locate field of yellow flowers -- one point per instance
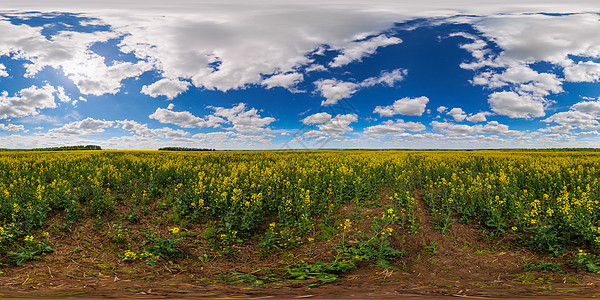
(548, 199)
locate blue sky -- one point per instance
(275, 75)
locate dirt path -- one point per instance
(461, 262)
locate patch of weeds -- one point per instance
(442, 223)
(133, 216)
(530, 278)
(204, 258)
(276, 239)
(547, 239)
(157, 248)
(324, 272)
(431, 248)
(571, 279)
(589, 261)
(544, 267)
(32, 250)
(235, 277)
(119, 235)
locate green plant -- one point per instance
(589, 261)
(32, 250)
(431, 248)
(164, 248)
(119, 234)
(544, 267)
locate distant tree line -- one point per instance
(63, 148)
(183, 149)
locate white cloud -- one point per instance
(355, 51)
(318, 118)
(27, 101)
(3, 72)
(524, 78)
(143, 130)
(224, 47)
(170, 88)
(86, 126)
(387, 78)
(315, 67)
(478, 117)
(68, 51)
(245, 121)
(536, 37)
(405, 106)
(333, 90)
(458, 114)
(451, 128)
(590, 107)
(184, 119)
(493, 127)
(557, 129)
(288, 80)
(170, 106)
(12, 127)
(572, 117)
(61, 95)
(333, 128)
(513, 105)
(390, 127)
(441, 109)
(588, 71)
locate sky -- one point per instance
(272, 74)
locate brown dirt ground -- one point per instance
(466, 264)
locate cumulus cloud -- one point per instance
(143, 130)
(333, 128)
(170, 88)
(287, 81)
(588, 71)
(68, 51)
(355, 51)
(513, 105)
(458, 114)
(405, 106)
(451, 128)
(590, 107)
(12, 127)
(3, 72)
(184, 118)
(572, 117)
(540, 37)
(318, 118)
(243, 120)
(333, 90)
(493, 127)
(86, 126)
(28, 101)
(441, 109)
(478, 117)
(394, 127)
(61, 95)
(524, 79)
(385, 78)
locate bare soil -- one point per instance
(465, 263)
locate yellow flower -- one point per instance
(514, 228)
(174, 230)
(29, 238)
